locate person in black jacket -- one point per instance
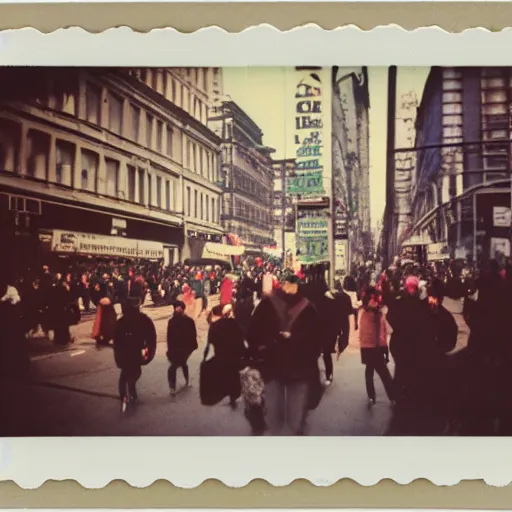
(283, 335)
(227, 339)
(134, 346)
(181, 342)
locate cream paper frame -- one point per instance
(187, 462)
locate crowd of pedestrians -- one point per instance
(273, 325)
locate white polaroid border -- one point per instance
(187, 462)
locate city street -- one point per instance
(75, 393)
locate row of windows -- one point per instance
(154, 134)
(249, 212)
(202, 162)
(163, 82)
(201, 206)
(141, 127)
(495, 95)
(245, 183)
(137, 186)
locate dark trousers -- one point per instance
(327, 357)
(171, 373)
(86, 299)
(383, 372)
(356, 318)
(62, 335)
(127, 382)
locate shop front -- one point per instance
(38, 231)
(438, 252)
(493, 226)
(415, 249)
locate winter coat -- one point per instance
(343, 311)
(445, 330)
(333, 319)
(226, 291)
(373, 337)
(134, 332)
(105, 321)
(372, 329)
(181, 339)
(413, 337)
(61, 309)
(286, 359)
(243, 311)
(227, 338)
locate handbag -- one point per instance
(212, 384)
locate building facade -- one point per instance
(351, 161)
(94, 156)
(461, 193)
(404, 171)
(247, 176)
(284, 209)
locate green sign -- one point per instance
(312, 240)
(307, 183)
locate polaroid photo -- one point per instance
(241, 261)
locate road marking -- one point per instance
(77, 353)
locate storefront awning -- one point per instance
(417, 240)
(215, 250)
(438, 252)
(88, 244)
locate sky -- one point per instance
(266, 95)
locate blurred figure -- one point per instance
(104, 323)
(283, 335)
(227, 339)
(374, 344)
(134, 347)
(181, 342)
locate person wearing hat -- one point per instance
(283, 338)
(412, 346)
(134, 347)
(181, 342)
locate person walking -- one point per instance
(374, 345)
(62, 313)
(181, 342)
(104, 323)
(134, 347)
(227, 339)
(350, 288)
(283, 335)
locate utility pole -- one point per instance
(283, 210)
(389, 212)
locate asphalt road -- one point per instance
(76, 395)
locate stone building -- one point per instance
(404, 170)
(351, 162)
(247, 174)
(116, 162)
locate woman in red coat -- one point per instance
(226, 291)
(104, 323)
(374, 345)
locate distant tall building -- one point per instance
(247, 175)
(461, 197)
(405, 163)
(351, 161)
